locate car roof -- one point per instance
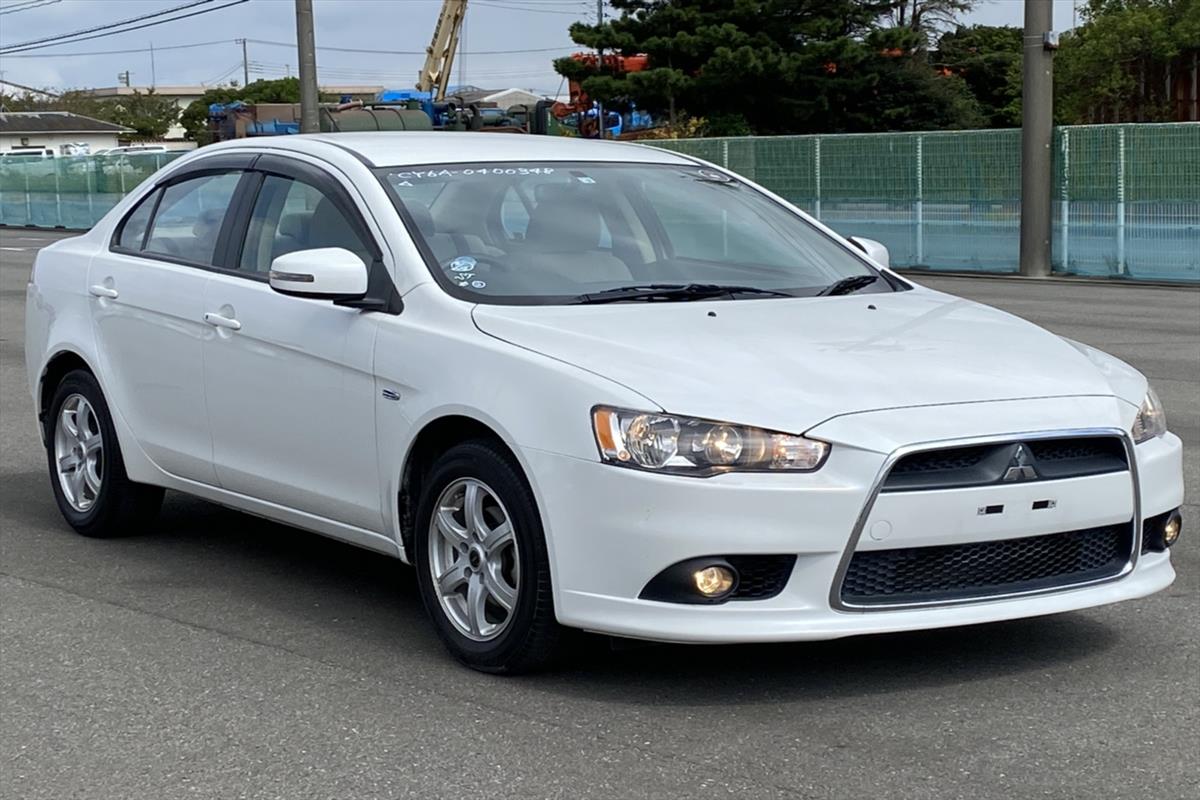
(412, 148)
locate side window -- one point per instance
(189, 217)
(291, 215)
(133, 229)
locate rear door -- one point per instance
(291, 390)
(147, 306)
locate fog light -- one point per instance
(1172, 528)
(713, 581)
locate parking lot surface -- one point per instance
(223, 656)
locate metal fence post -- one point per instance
(1065, 205)
(58, 220)
(817, 175)
(725, 153)
(920, 200)
(91, 163)
(28, 199)
(1121, 201)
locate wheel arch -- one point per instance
(434, 437)
(56, 368)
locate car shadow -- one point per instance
(859, 666)
(369, 602)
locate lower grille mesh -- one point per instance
(760, 577)
(980, 569)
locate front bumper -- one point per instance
(611, 530)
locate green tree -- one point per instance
(984, 56)
(77, 102)
(149, 114)
(772, 66)
(928, 17)
(1116, 66)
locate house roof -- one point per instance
(473, 94)
(14, 122)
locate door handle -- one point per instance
(97, 290)
(218, 321)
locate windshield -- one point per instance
(567, 232)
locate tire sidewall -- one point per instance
(480, 461)
(84, 384)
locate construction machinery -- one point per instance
(430, 107)
(439, 57)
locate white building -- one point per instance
(30, 130)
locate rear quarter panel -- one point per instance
(57, 314)
(58, 319)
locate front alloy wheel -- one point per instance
(482, 565)
(473, 559)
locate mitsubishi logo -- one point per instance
(1019, 468)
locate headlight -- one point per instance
(700, 447)
(1150, 420)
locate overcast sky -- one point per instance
(396, 25)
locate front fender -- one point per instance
(439, 364)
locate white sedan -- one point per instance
(587, 385)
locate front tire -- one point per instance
(481, 560)
(87, 472)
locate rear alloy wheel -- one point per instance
(87, 472)
(481, 560)
(79, 453)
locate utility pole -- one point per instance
(153, 75)
(307, 51)
(1037, 134)
(245, 65)
(600, 68)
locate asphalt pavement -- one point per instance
(223, 656)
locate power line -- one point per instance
(223, 75)
(27, 6)
(6, 52)
(119, 52)
(495, 4)
(4, 82)
(289, 46)
(95, 28)
(416, 52)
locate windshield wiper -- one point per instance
(848, 285)
(673, 291)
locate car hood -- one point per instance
(789, 364)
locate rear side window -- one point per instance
(133, 230)
(189, 217)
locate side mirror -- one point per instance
(326, 273)
(874, 250)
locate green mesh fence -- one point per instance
(70, 191)
(1127, 196)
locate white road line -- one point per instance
(17, 249)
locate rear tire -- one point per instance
(479, 530)
(87, 473)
